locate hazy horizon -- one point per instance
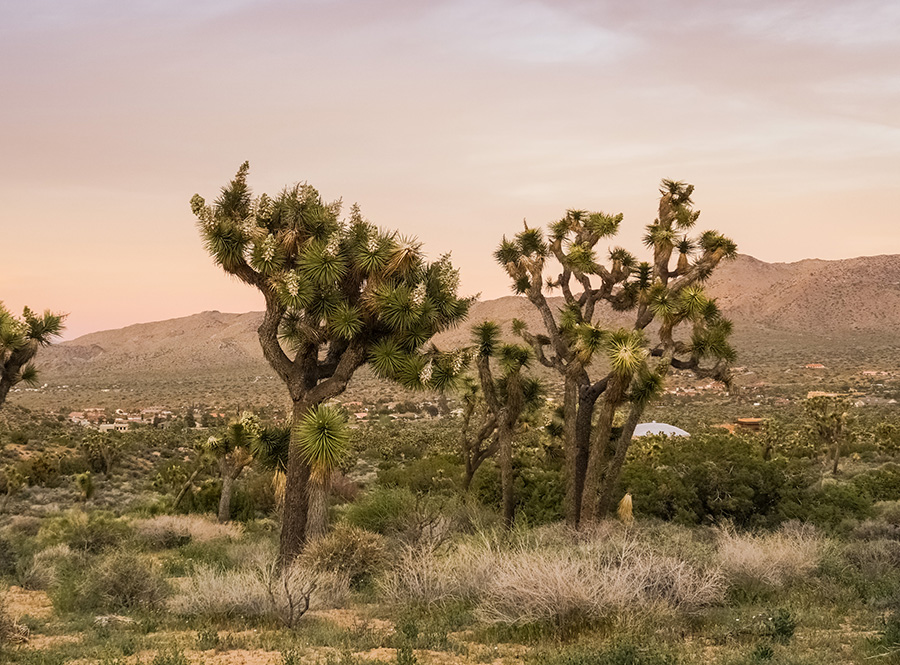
(451, 121)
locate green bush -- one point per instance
(710, 478)
(882, 484)
(830, 504)
(117, 580)
(617, 654)
(440, 472)
(382, 509)
(539, 491)
(88, 532)
(354, 552)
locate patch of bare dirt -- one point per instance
(20, 602)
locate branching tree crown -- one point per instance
(339, 293)
(20, 341)
(574, 334)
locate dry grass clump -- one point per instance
(562, 586)
(544, 577)
(423, 575)
(770, 559)
(259, 591)
(11, 631)
(164, 531)
(42, 571)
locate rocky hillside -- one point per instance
(844, 313)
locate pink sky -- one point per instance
(451, 121)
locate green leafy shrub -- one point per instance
(427, 474)
(881, 484)
(117, 580)
(539, 491)
(381, 510)
(351, 551)
(710, 478)
(88, 532)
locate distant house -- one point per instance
(751, 424)
(815, 366)
(645, 429)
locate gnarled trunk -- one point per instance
(296, 496)
(614, 469)
(225, 498)
(317, 518)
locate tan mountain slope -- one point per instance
(777, 309)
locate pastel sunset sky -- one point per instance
(449, 120)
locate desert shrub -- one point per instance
(41, 571)
(117, 580)
(709, 479)
(426, 474)
(356, 553)
(86, 531)
(881, 484)
(547, 580)
(9, 559)
(872, 568)
(41, 470)
(381, 510)
(757, 562)
(11, 631)
(166, 531)
(421, 576)
(254, 592)
(539, 491)
(562, 587)
(829, 505)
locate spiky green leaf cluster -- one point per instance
(336, 280)
(323, 436)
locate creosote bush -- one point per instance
(117, 580)
(350, 551)
(84, 531)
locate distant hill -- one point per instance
(843, 313)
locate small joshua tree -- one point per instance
(829, 421)
(581, 331)
(20, 340)
(505, 400)
(233, 453)
(339, 293)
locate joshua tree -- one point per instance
(20, 340)
(233, 453)
(829, 420)
(505, 399)
(338, 293)
(582, 329)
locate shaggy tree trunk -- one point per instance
(614, 469)
(505, 436)
(225, 498)
(317, 520)
(296, 496)
(836, 457)
(599, 458)
(184, 490)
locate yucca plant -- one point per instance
(578, 333)
(20, 341)
(339, 293)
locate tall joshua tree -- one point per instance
(20, 340)
(579, 332)
(338, 293)
(505, 399)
